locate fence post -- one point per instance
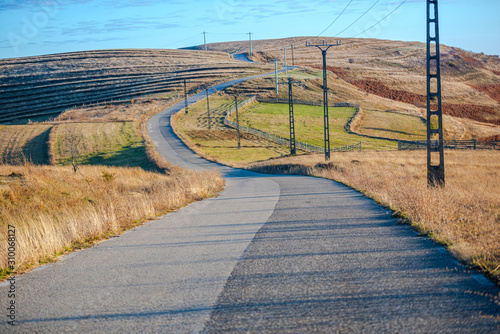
(474, 143)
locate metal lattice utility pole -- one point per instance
(208, 109)
(324, 48)
(205, 39)
(185, 97)
(237, 121)
(293, 149)
(250, 38)
(435, 153)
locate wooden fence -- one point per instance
(472, 144)
(280, 140)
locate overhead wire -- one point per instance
(321, 33)
(359, 18)
(395, 9)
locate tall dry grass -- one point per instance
(55, 210)
(464, 215)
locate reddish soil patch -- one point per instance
(496, 72)
(469, 60)
(474, 112)
(470, 111)
(474, 62)
(378, 88)
(492, 91)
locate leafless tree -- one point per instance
(73, 145)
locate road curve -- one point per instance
(330, 260)
(270, 254)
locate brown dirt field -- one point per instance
(470, 111)
(474, 112)
(496, 72)
(469, 60)
(47, 85)
(492, 90)
(376, 87)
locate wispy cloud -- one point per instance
(23, 4)
(119, 25)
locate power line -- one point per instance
(321, 33)
(380, 20)
(359, 18)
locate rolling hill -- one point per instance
(46, 85)
(391, 75)
(376, 74)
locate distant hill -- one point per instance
(46, 85)
(382, 73)
(395, 70)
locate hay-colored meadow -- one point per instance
(55, 209)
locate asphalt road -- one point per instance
(270, 254)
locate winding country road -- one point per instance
(283, 254)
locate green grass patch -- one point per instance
(309, 124)
(109, 144)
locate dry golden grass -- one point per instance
(120, 111)
(24, 142)
(464, 215)
(55, 210)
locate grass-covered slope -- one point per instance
(34, 86)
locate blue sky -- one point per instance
(35, 27)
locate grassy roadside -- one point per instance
(56, 210)
(464, 216)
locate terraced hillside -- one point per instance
(46, 85)
(392, 73)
